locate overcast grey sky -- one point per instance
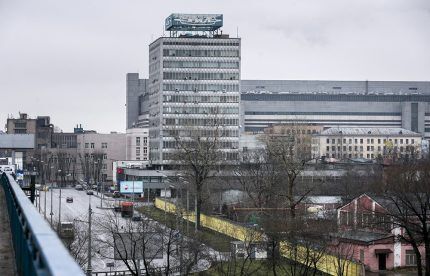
(68, 59)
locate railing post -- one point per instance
(32, 188)
(38, 250)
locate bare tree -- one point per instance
(146, 241)
(407, 198)
(243, 261)
(91, 165)
(131, 242)
(258, 177)
(342, 253)
(78, 245)
(290, 151)
(198, 157)
(270, 179)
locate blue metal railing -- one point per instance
(38, 250)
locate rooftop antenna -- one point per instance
(237, 31)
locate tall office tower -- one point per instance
(194, 79)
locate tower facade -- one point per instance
(194, 84)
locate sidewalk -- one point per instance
(392, 273)
(7, 258)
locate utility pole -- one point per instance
(51, 214)
(89, 268)
(59, 205)
(44, 188)
(44, 199)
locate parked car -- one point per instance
(90, 192)
(116, 194)
(69, 199)
(136, 218)
(79, 187)
(94, 187)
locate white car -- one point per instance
(79, 187)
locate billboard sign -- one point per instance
(194, 22)
(130, 187)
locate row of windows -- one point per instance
(201, 133)
(369, 141)
(20, 131)
(323, 113)
(92, 155)
(294, 131)
(200, 99)
(230, 156)
(200, 76)
(337, 97)
(87, 145)
(201, 110)
(145, 141)
(201, 87)
(200, 53)
(201, 122)
(145, 150)
(370, 148)
(200, 64)
(208, 42)
(365, 220)
(20, 125)
(220, 144)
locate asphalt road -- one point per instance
(78, 211)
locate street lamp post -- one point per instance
(51, 214)
(59, 205)
(44, 188)
(89, 268)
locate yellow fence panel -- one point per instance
(326, 263)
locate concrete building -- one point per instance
(194, 79)
(369, 143)
(15, 148)
(111, 146)
(40, 126)
(136, 101)
(137, 147)
(387, 104)
(398, 104)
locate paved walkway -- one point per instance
(7, 260)
(393, 273)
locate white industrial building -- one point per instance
(368, 143)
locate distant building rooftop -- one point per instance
(357, 131)
(362, 236)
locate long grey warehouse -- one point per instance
(336, 103)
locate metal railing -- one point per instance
(152, 271)
(38, 250)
